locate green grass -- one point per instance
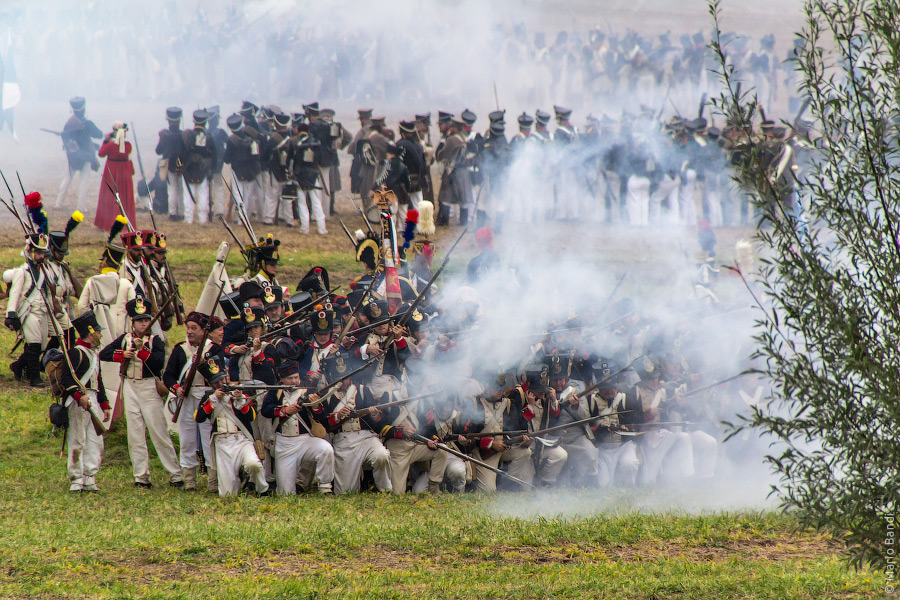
(163, 543)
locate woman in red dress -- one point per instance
(118, 174)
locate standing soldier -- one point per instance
(26, 312)
(220, 138)
(144, 354)
(199, 165)
(171, 151)
(413, 155)
(106, 295)
(82, 393)
(339, 138)
(242, 152)
(423, 131)
(355, 150)
(305, 150)
(279, 169)
(81, 152)
(66, 285)
(456, 188)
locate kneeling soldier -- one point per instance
(232, 443)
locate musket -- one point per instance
(77, 286)
(714, 384)
(361, 213)
(99, 429)
(238, 242)
(702, 105)
(59, 133)
(422, 439)
(364, 411)
(484, 434)
(555, 428)
(261, 386)
(289, 321)
(123, 369)
(9, 207)
(349, 235)
(324, 393)
(15, 210)
(239, 202)
(19, 341)
(243, 207)
(591, 388)
(198, 356)
(612, 294)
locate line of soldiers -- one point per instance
(338, 393)
(284, 165)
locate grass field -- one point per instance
(163, 543)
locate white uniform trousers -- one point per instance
(85, 450)
(315, 202)
(637, 201)
(143, 413)
(277, 206)
(667, 191)
(668, 456)
(292, 451)
(618, 462)
(191, 433)
(233, 452)
(520, 466)
(253, 196)
(84, 182)
(404, 453)
(414, 199)
(200, 201)
(175, 186)
(454, 474)
(355, 451)
(35, 325)
(217, 195)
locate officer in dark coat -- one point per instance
(199, 165)
(171, 153)
(81, 151)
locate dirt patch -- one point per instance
(142, 570)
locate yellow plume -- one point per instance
(77, 216)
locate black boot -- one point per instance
(463, 217)
(443, 215)
(32, 360)
(17, 367)
(480, 219)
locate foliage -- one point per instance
(829, 332)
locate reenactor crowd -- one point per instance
(284, 167)
(386, 387)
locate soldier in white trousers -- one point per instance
(143, 356)
(231, 416)
(299, 433)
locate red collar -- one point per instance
(83, 343)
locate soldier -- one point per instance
(617, 455)
(171, 162)
(267, 256)
(83, 394)
(536, 407)
(106, 295)
(355, 149)
(413, 156)
(423, 131)
(387, 342)
(144, 354)
(494, 163)
(305, 151)
(299, 433)
(395, 177)
(541, 120)
(229, 417)
(332, 137)
(66, 285)
(356, 421)
(199, 165)
(26, 311)
(493, 412)
(279, 170)
(321, 346)
(525, 122)
(248, 356)
(456, 187)
(81, 152)
(372, 149)
(180, 361)
(220, 139)
(243, 153)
